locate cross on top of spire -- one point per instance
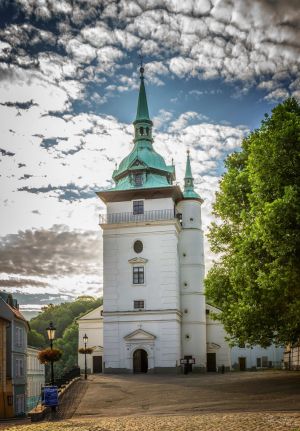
(142, 70)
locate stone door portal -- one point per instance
(140, 361)
(97, 364)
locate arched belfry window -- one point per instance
(147, 131)
(141, 131)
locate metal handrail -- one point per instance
(130, 217)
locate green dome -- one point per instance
(145, 159)
(144, 152)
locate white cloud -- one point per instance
(82, 52)
(181, 66)
(277, 95)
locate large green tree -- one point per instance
(256, 281)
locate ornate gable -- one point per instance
(138, 260)
(140, 335)
(137, 164)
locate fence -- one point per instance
(130, 217)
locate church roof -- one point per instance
(143, 168)
(143, 159)
(92, 314)
(142, 112)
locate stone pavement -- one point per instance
(251, 401)
(204, 422)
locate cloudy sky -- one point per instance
(68, 95)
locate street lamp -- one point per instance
(85, 340)
(51, 335)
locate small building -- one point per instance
(256, 357)
(6, 390)
(292, 357)
(239, 358)
(15, 329)
(91, 324)
(35, 377)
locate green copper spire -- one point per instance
(189, 192)
(188, 170)
(143, 168)
(142, 112)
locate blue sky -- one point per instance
(68, 92)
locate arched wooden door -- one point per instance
(140, 361)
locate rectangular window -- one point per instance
(138, 207)
(138, 304)
(138, 179)
(19, 337)
(138, 275)
(19, 367)
(258, 362)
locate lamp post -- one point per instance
(51, 335)
(85, 340)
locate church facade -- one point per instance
(154, 312)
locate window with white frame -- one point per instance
(19, 333)
(138, 275)
(138, 304)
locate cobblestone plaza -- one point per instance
(254, 401)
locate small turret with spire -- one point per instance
(189, 191)
(142, 123)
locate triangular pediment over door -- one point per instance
(138, 260)
(140, 335)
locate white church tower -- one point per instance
(191, 258)
(153, 270)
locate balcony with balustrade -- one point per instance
(146, 216)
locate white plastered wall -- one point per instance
(91, 324)
(160, 290)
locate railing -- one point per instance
(66, 377)
(129, 217)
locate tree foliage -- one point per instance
(256, 282)
(64, 318)
(35, 339)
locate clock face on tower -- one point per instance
(138, 246)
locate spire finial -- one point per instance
(142, 113)
(188, 170)
(142, 70)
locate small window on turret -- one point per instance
(138, 179)
(141, 131)
(147, 131)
